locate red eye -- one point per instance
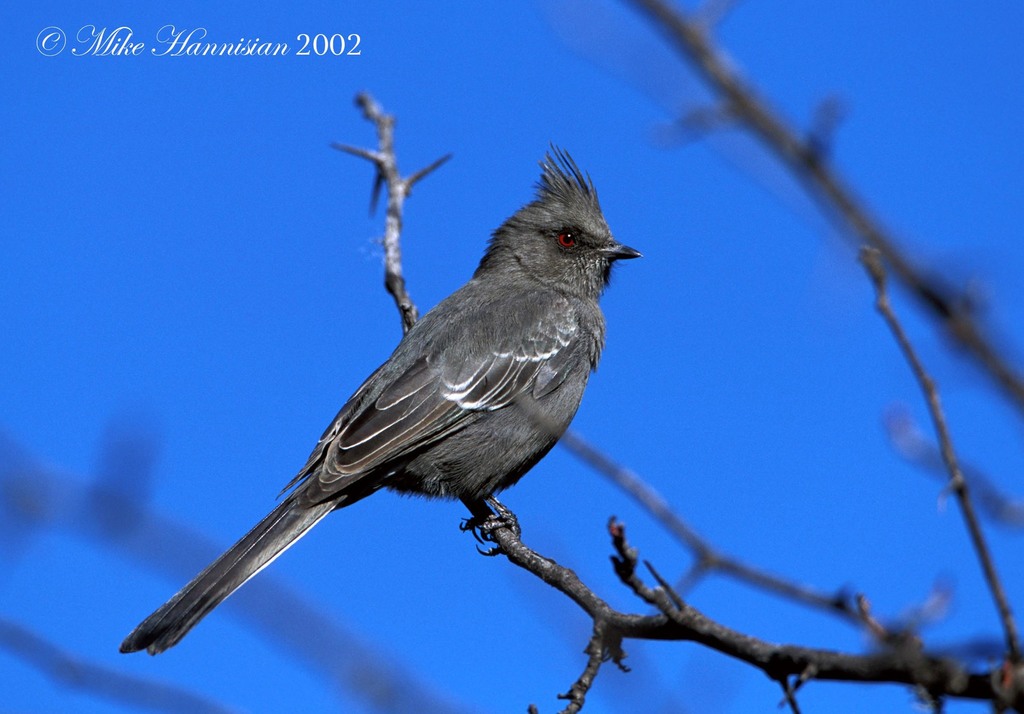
(566, 240)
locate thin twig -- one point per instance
(398, 189)
(872, 261)
(806, 161)
(596, 651)
(789, 695)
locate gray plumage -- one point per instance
(475, 394)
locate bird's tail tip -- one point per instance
(257, 549)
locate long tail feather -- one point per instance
(255, 551)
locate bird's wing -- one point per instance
(435, 396)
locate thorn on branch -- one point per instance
(422, 173)
(370, 156)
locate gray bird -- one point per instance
(475, 394)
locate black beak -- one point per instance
(617, 251)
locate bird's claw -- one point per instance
(484, 528)
(504, 517)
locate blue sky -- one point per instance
(192, 271)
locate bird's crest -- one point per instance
(562, 180)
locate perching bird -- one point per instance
(475, 394)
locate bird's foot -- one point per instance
(484, 526)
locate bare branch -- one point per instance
(805, 160)
(398, 189)
(678, 621)
(872, 260)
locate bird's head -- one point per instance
(560, 238)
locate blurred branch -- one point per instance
(805, 158)
(35, 499)
(75, 673)
(398, 189)
(790, 665)
(872, 260)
